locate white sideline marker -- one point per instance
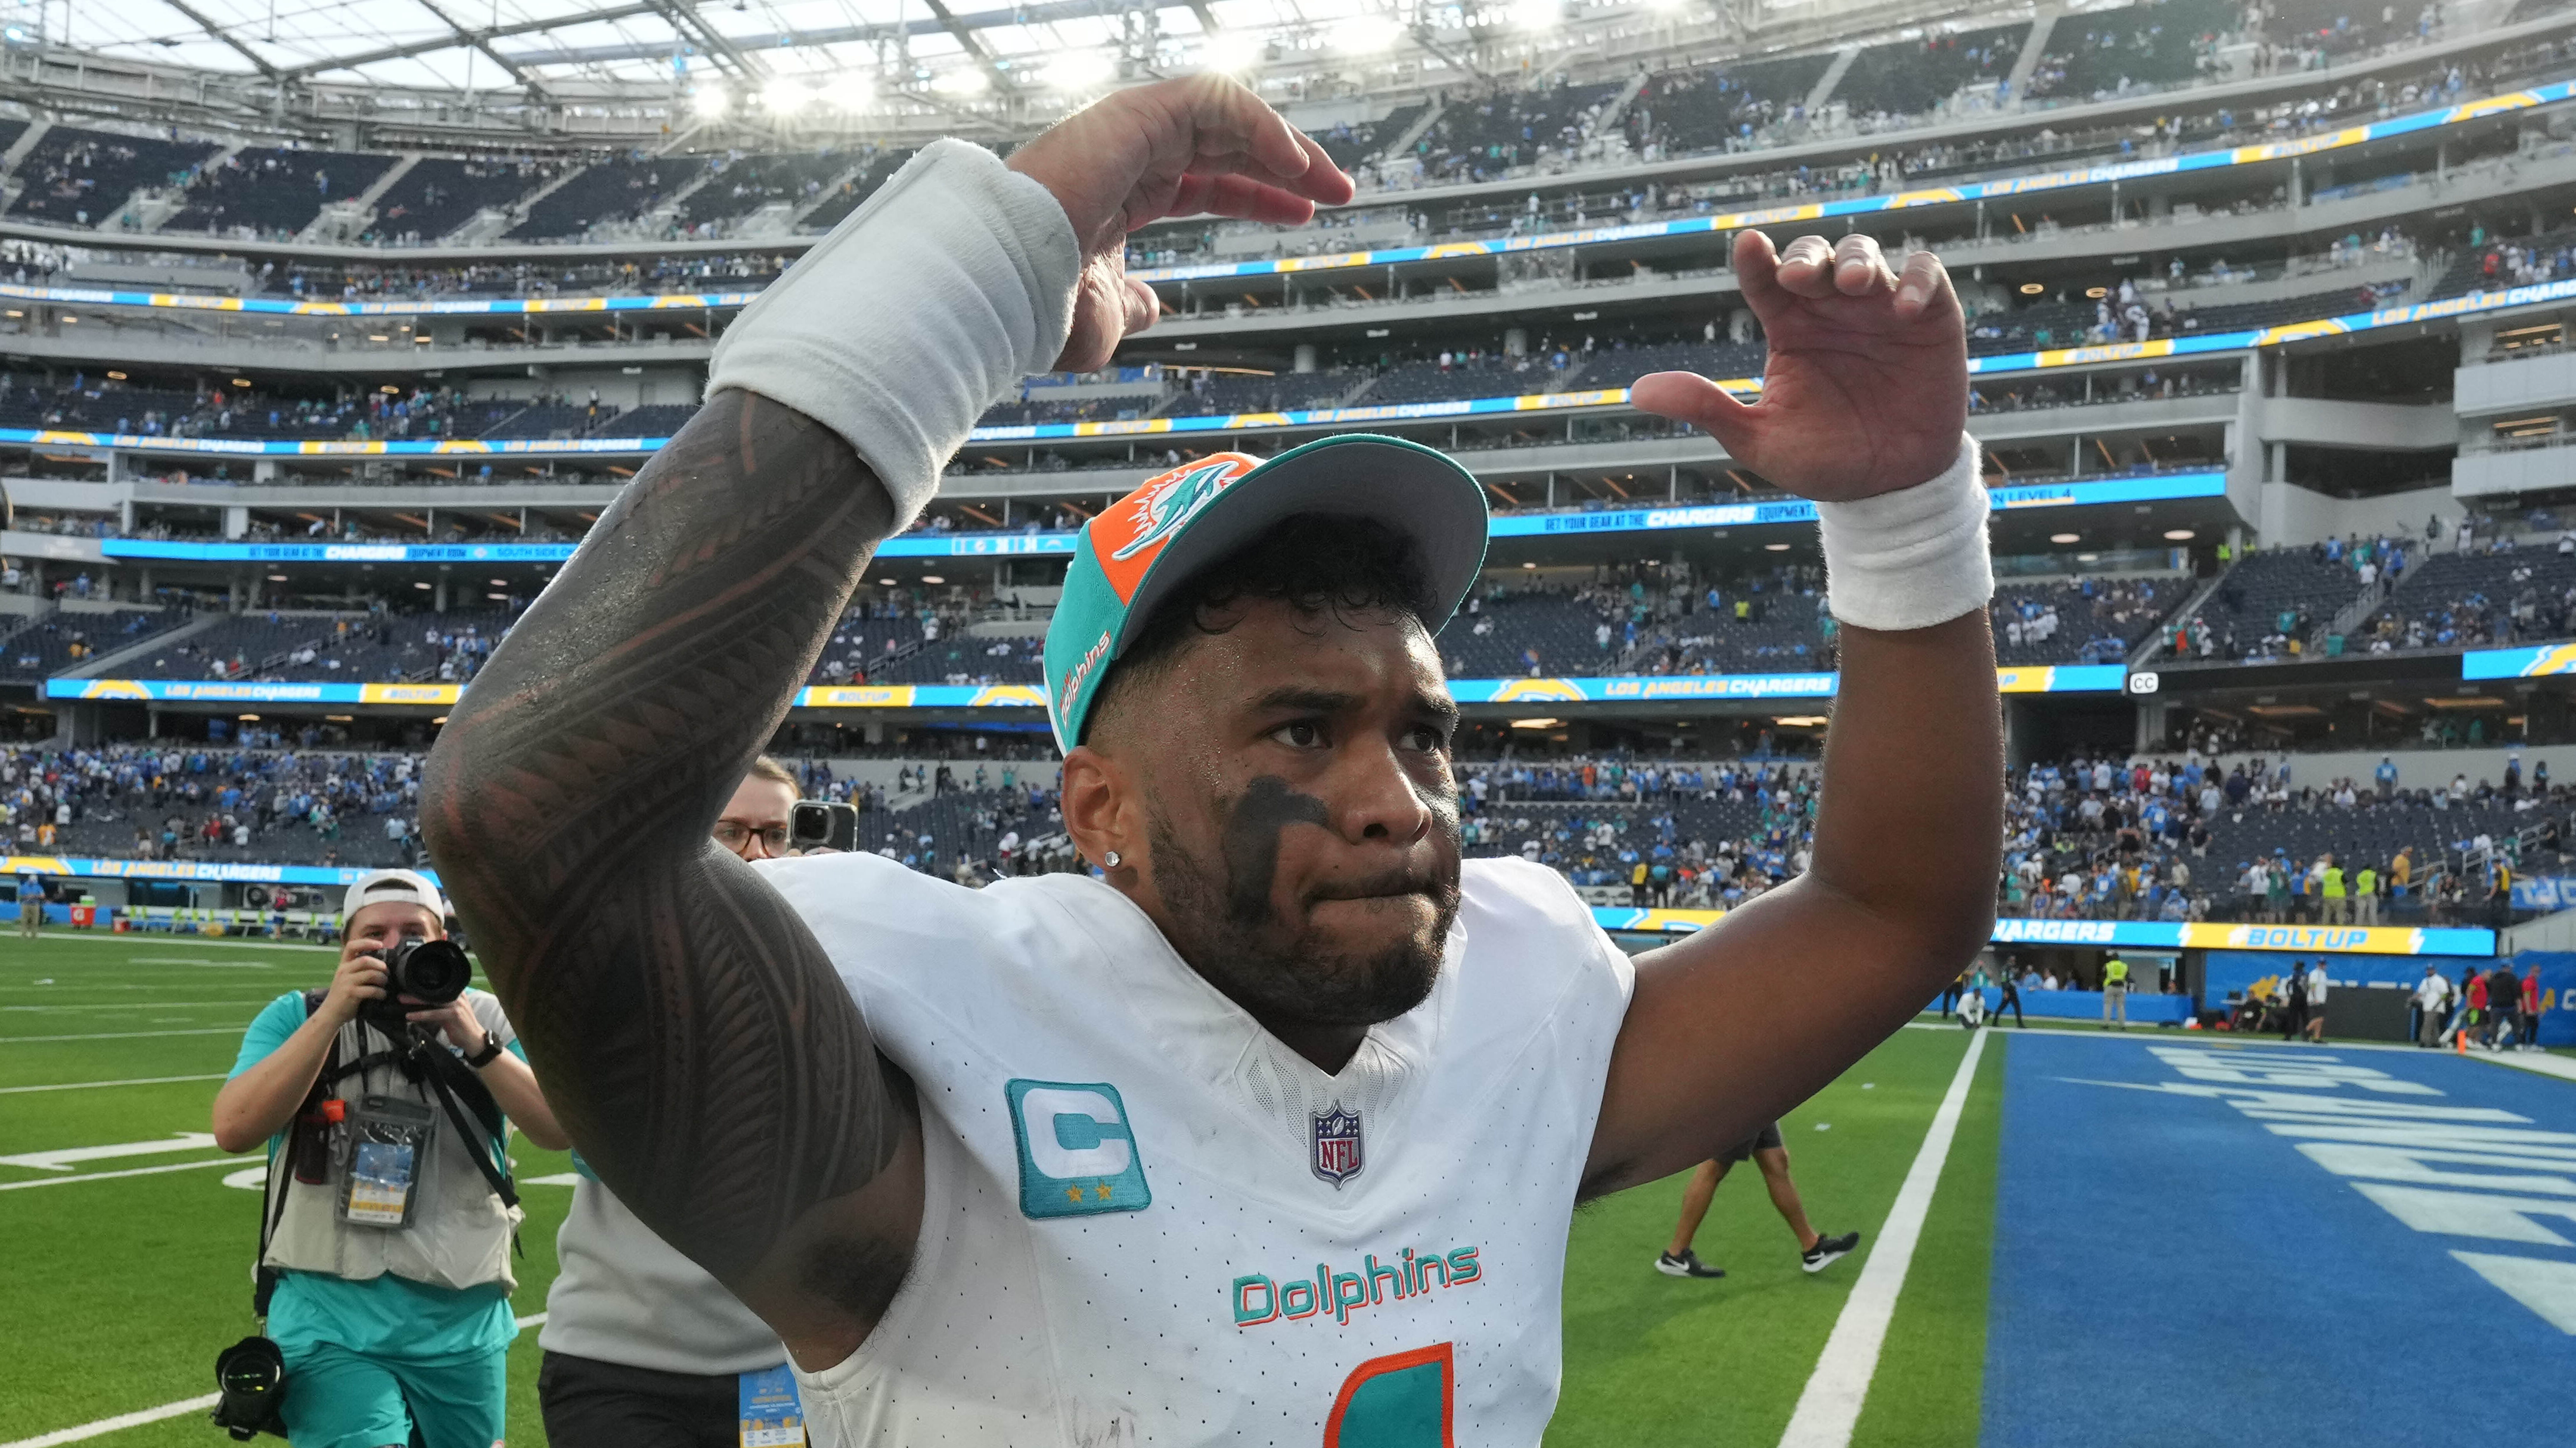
(67, 1157)
(100, 1176)
(1829, 1408)
(95, 1085)
(118, 1423)
(122, 1036)
(151, 938)
(122, 1421)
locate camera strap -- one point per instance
(448, 1079)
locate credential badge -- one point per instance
(1338, 1153)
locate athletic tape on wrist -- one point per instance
(1914, 557)
(919, 311)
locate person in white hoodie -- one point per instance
(2432, 1006)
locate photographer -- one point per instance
(386, 1226)
(642, 1348)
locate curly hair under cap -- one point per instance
(1317, 563)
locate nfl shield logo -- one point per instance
(1337, 1145)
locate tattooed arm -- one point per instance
(689, 1030)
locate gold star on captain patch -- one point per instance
(1101, 1191)
(1074, 1195)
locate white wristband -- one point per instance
(920, 310)
(1914, 557)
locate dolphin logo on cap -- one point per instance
(1164, 504)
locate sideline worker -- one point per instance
(31, 906)
(642, 1348)
(2115, 992)
(1080, 1158)
(388, 1242)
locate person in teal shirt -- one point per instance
(385, 1329)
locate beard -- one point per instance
(1227, 926)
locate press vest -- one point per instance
(459, 1232)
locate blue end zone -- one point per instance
(2181, 1257)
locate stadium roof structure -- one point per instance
(772, 59)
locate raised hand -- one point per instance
(1202, 144)
(1866, 387)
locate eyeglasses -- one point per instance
(733, 834)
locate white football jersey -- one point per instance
(1149, 1222)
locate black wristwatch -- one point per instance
(491, 1052)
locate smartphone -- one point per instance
(820, 824)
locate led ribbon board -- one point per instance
(2525, 663)
(2045, 679)
(922, 545)
(2151, 934)
(233, 870)
(2152, 488)
(422, 307)
(222, 691)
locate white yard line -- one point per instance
(116, 1424)
(1830, 1407)
(122, 1421)
(2538, 1062)
(2156, 1036)
(111, 1007)
(163, 940)
(95, 1085)
(100, 1176)
(124, 1036)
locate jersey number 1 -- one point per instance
(1402, 1400)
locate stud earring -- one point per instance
(1112, 860)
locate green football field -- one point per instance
(128, 1271)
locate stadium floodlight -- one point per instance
(851, 90)
(1370, 34)
(1081, 72)
(965, 80)
(1537, 15)
(1231, 52)
(709, 100)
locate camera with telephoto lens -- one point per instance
(430, 972)
(250, 1384)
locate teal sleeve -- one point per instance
(282, 1018)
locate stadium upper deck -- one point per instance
(2216, 303)
(2187, 62)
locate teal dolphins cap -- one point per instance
(1141, 547)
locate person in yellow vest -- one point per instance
(2338, 904)
(2115, 992)
(2401, 871)
(2366, 896)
